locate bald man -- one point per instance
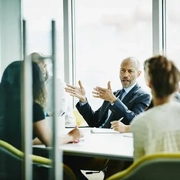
(123, 104)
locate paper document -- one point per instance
(103, 130)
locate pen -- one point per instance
(120, 119)
(62, 113)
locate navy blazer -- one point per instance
(134, 103)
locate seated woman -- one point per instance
(11, 106)
(158, 129)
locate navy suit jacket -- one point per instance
(134, 103)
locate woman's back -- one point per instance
(10, 114)
(11, 101)
(10, 109)
(158, 130)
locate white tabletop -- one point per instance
(102, 143)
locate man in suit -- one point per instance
(125, 103)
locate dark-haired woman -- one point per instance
(158, 129)
(10, 115)
(11, 103)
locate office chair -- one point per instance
(11, 162)
(79, 119)
(152, 167)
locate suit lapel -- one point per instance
(126, 99)
(131, 93)
(105, 111)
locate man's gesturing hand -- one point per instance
(104, 93)
(78, 92)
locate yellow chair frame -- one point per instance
(40, 161)
(19, 154)
(164, 166)
(79, 119)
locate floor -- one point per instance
(94, 176)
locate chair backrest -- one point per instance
(11, 161)
(11, 164)
(152, 167)
(79, 119)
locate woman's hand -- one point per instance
(75, 134)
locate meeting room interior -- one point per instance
(63, 64)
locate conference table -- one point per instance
(98, 142)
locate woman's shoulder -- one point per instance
(38, 112)
(37, 108)
(143, 118)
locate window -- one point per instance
(107, 31)
(39, 15)
(173, 28)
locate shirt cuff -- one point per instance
(114, 102)
(81, 103)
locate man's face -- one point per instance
(128, 73)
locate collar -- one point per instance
(129, 88)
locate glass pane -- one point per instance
(39, 15)
(173, 28)
(107, 31)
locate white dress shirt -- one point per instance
(63, 99)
